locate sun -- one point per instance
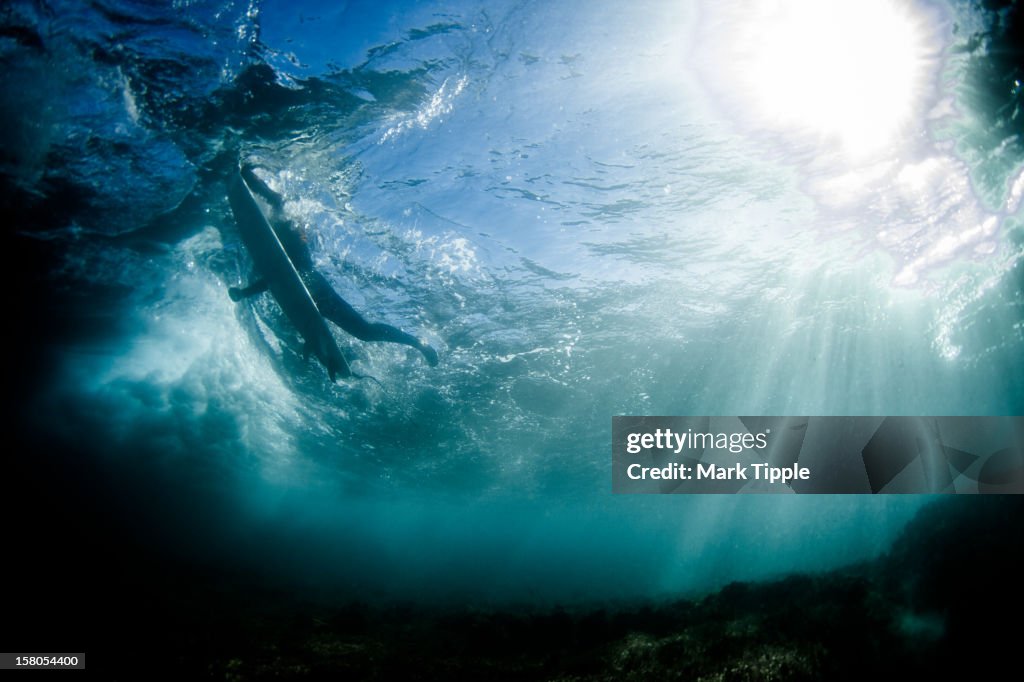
(851, 71)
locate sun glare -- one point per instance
(846, 70)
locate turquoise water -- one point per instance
(581, 205)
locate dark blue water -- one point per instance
(589, 209)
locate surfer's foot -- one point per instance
(429, 354)
(235, 293)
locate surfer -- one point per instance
(331, 305)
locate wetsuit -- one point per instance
(331, 305)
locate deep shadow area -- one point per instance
(94, 582)
(931, 604)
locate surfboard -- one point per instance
(272, 264)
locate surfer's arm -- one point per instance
(261, 188)
(257, 287)
(292, 239)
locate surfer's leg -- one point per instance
(337, 310)
(257, 287)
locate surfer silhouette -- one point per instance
(331, 305)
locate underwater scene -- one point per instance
(321, 312)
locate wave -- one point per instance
(548, 194)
